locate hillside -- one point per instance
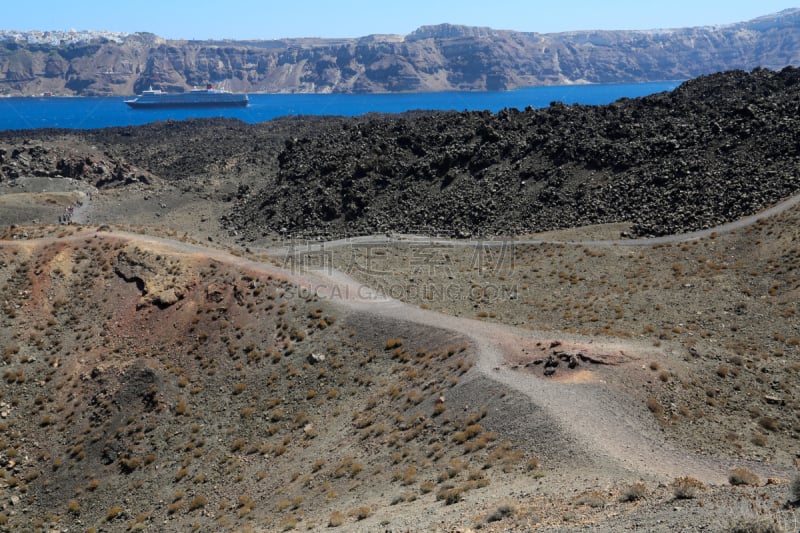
(245, 402)
(716, 148)
(433, 58)
(202, 390)
(170, 363)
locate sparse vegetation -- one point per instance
(74, 507)
(743, 476)
(769, 423)
(245, 382)
(754, 525)
(502, 512)
(393, 343)
(113, 512)
(360, 513)
(336, 519)
(685, 488)
(198, 502)
(592, 499)
(633, 492)
(655, 406)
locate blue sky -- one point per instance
(264, 19)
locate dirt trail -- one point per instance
(604, 424)
(81, 211)
(306, 247)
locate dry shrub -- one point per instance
(336, 519)
(753, 525)
(180, 474)
(288, 523)
(394, 343)
(686, 488)
(409, 475)
(633, 493)
(450, 495)
(592, 498)
(415, 396)
(503, 510)
(426, 487)
(655, 406)
(113, 513)
(74, 507)
(198, 502)
(532, 463)
(360, 513)
(743, 476)
(769, 423)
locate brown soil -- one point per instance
(158, 376)
(89, 374)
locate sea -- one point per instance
(24, 113)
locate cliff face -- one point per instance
(433, 58)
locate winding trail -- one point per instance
(601, 420)
(307, 246)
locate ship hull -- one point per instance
(196, 98)
(160, 105)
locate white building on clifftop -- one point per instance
(60, 37)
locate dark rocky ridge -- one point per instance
(715, 149)
(178, 151)
(433, 58)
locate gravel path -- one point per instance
(603, 422)
(81, 210)
(306, 247)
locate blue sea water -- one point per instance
(89, 113)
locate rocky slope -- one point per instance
(161, 385)
(232, 413)
(199, 390)
(713, 150)
(433, 58)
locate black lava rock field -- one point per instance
(716, 148)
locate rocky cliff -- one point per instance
(432, 58)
